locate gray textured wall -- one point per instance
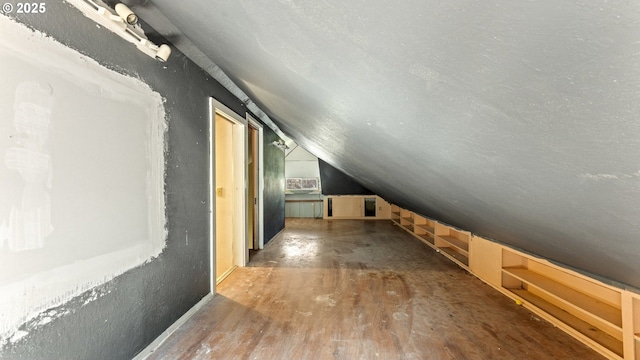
(335, 182)
(273, 186)
(137, 306)
(516, 120)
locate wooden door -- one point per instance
(252, 189)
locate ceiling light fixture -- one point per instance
(123, 22)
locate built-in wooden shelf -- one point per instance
(453, 242)
(424, 228)
(406, 224)
(607, 341)
(460, 245)
(358, 207)
(572, 300)
(602, 316)
(569, 297)
(427, 238)
(427, 229)
(406, 219)
(455, 256)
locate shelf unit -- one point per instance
(602, 316)
(425, 229)
(590, 310)
(395, 213)
(353, 207)
(453, 242)
(406, 219)
(450, 242)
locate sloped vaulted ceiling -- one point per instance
(517, 120)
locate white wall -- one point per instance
(301, 163)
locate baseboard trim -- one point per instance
(226, 274)
(275, 236)
(171, 329)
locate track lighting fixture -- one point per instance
(126, 14)
(280, 144)
(163, 52)
(123, 22)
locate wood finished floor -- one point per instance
(361, 290)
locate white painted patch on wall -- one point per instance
(30, 221)
(81, 177)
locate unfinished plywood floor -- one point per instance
(361, 290)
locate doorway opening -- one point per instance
(255, 175)
(228, 192)
(252, 189)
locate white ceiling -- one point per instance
(517, 120)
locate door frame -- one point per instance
(240, 133)
(259, 226)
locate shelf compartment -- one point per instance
(429, 229)
(605, 340)
(460, 245)
(455, 256)
(404, 213)
(575, 302)
(395, 213)
(568, 299)
(428, 238)
(424, 225)
(409, 227)
(406, 219)
(453, 242)
(424, 228)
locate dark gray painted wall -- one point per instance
(273, 186)
(335, 182)
(136, 307)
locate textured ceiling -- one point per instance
(517, 120)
